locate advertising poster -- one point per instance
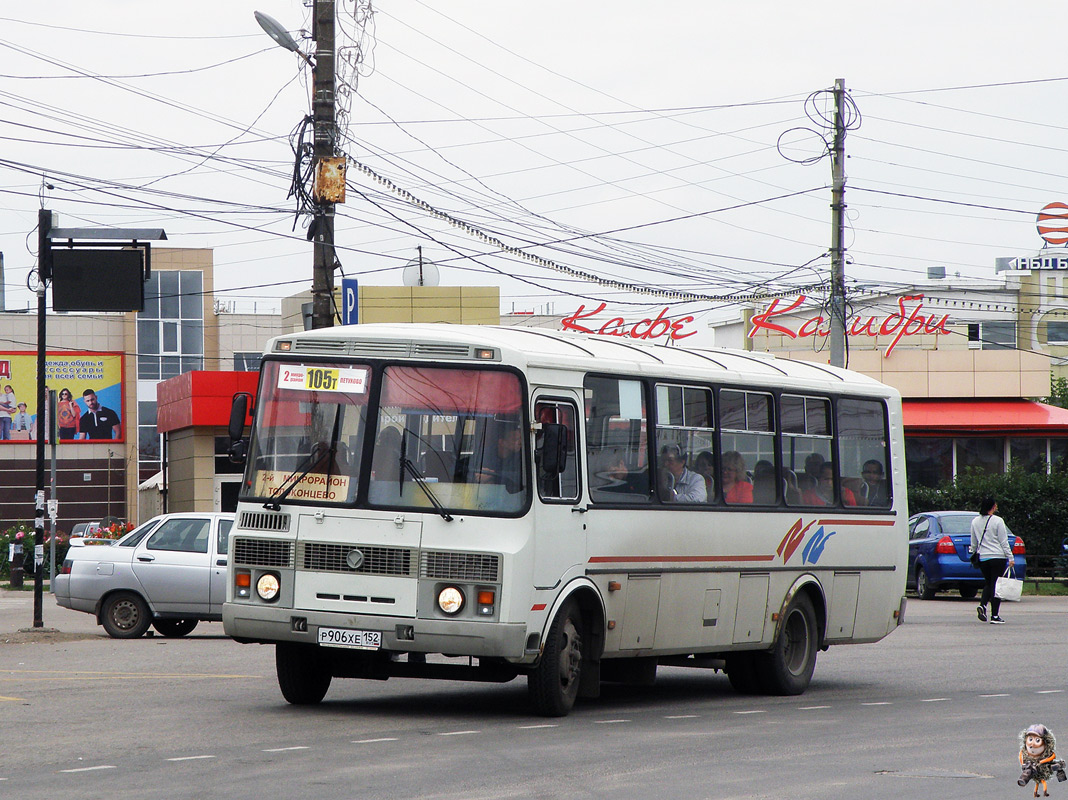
(89, 396)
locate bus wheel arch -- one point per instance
(569, 665)
(787, 668)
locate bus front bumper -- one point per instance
(250, 623)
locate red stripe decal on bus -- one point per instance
(538, 607)
(670, 559)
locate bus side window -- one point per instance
(863, 449)
(747, 439)
(617, 444)
(562, 486)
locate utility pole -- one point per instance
(838, 305)
(324, 149)
(44, 275)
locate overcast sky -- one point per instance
(630, 141)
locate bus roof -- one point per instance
(539, 348)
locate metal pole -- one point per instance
(838, 335)
(53, 501)
(325, 135)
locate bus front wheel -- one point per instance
(787, 669)
(303, 673)
(554, 683)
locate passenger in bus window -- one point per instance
(503, 462)
(813, 463)
(705, 466)
(682, 485)
(826, 487)
(764, 483)
(618, 478)
(874, 489)
(790, 488)
(810, 493)
(736, 485)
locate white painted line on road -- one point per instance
(682, 716)
(9, 699)
(1049, 691)
(373, 741)
(536, 727)
(284, 749)
(935, 700)
(811, 708)
(880, 703)
(189, 758)
(90, 769)
(457, 733)
(610, 721)
(995, 695)
(759, 711)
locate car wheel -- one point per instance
(125, 616)
(303, 673)
(553, 685)
(172, 628)
(968, 592)
(788, 668)
(923, 585)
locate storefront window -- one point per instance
(985, 455)
(1028, 454)
(1058, 454)
(929, 462)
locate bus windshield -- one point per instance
(451, 438)
(309, 432)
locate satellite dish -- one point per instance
(420, 273)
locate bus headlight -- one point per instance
(450, 600)
(267, 586)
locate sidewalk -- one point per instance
(60, 624)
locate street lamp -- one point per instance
(281, 36)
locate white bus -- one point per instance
(571, 508)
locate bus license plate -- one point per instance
(345, 637)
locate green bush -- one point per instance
(1035, 507)
(23, 534)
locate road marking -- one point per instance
(457, 733)
(995, 695)
(98, 675)
(10, 699)
(1049, 691)
(89, 769)
(681, 716)
(934, 700)
(880, 703)
(811, 708)
(757, 711)
(284, 749)
(610, 721)
(189, 758)
(536, 727)
(372, 741)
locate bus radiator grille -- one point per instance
(452, 566)
(263, 552)
(373, 559)
(258, 521)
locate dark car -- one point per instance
(938, 554)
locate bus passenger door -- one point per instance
(560, 540)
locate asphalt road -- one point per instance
(932, 711)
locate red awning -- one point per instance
(200, 399)
(1018, 417)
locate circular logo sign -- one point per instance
(354, 559)
(1053, 223)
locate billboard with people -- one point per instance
(89, 397)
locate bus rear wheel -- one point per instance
(787, 669)
(303, 673)
(554, 684)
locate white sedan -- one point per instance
(169, 573)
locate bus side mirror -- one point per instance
(552, 448)
(238, 411)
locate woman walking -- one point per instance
(990, 539)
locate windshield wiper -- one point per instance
(289, 484)
(419, 479)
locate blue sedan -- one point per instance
(938, 554)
